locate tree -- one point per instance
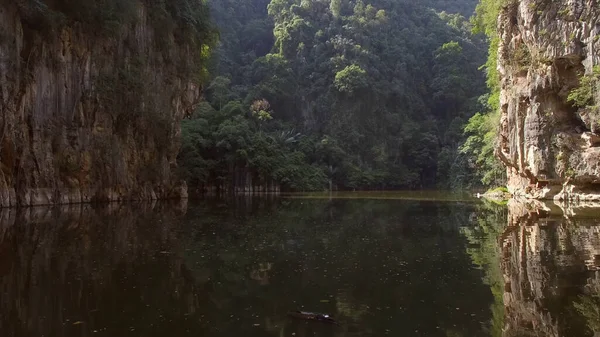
(261, 110)
(219, 90)
(482, 131)
(379, 89)
(335, 7)
(350, 79)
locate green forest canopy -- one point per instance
(348, 94)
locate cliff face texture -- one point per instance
(550, 147)
(90, 111)
(551, 270)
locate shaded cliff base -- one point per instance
(568, 191)
(9, 197)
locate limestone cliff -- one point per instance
(549, 146)
(91, 99)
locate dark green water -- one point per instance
(382, 267)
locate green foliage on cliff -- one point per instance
(482, 133)
(386, 85)
(584, 95)
(485, 21)
(482, 129)
(102, 17)
(177, 24)
(189, 18)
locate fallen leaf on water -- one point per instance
(78, 322)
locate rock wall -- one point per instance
(550, 148)
(90, 115)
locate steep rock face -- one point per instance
(549, 147)
(90, 116)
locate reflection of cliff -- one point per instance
(74, 270)
(548, 263)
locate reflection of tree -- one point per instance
(588, 305)
(371, 263)
(484, 251)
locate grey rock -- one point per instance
(548, 146)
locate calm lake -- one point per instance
(381, 264)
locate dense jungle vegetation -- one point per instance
(345, 94)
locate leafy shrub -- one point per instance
(583, 96)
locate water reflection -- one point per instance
(76, 270)
(235, 268)
(550, 267)
(382, 267)
(483, 237)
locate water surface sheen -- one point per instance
(235, 268)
